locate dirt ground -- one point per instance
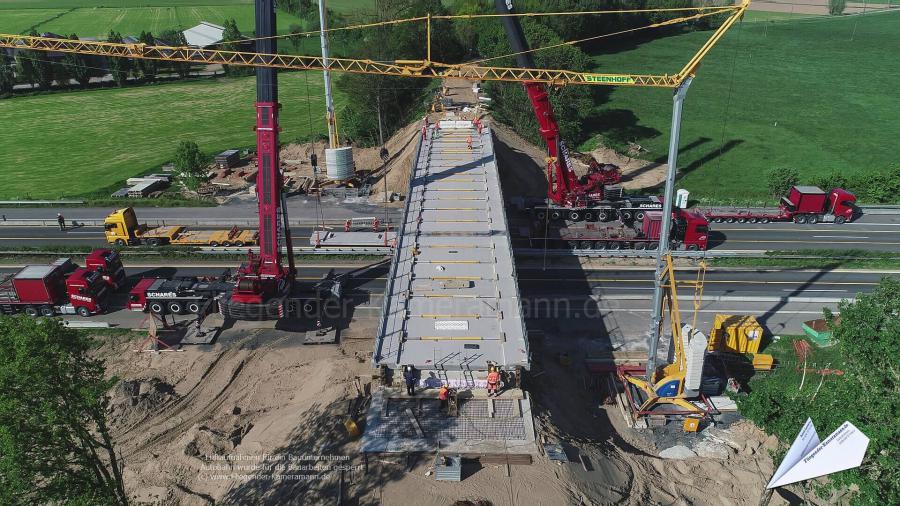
(263, 400)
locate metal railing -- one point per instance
(392, 273)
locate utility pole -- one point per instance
(664, 244)
(329, 100)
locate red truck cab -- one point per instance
(137, 297)
(811, 204)
(87, 291)
(691, 229)
(109, 264)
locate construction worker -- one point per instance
(437, 130)
(61, 221)
(347, 225)
(493, 381)
(409, 376)
(469, 142)
(444, 396)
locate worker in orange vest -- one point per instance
(469, 142)
(444, 395)
(493, 381)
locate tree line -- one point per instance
(872, 186)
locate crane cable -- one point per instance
(621, 32)
(730, 93)
(715, 9)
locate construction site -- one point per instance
(458, 316)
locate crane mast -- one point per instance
(263, 276)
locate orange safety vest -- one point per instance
(493, 378)
(442, 394)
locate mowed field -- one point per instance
(95, 18)
(817, 95)
(71, 144)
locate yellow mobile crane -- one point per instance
(676, 382)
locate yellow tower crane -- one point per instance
(407, 68)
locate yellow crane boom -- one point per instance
(401, 68)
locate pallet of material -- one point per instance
(143, 189)
(227, 159)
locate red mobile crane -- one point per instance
(595, 196)
(264, 288)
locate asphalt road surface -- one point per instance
(875, 233)
(611, 304)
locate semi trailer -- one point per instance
(58, 288)
(203, 295)
(121, 228)
(690, 231)
(802, 204)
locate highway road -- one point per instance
(611, 304)
(872, 232)
(877, 233)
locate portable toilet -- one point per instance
(681, 198)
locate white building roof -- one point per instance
(204, 34)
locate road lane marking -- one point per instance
(812, 290)
(767, 241)
(840, 237)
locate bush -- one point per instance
(780, 179)
(190, 164)
(836, 7)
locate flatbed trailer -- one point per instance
(616, 208)
(122, 229)
(690, 231)
(802, 204)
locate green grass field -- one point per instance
(70, 144)
(791, 93)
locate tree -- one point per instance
(780, 179)
(77, 66)
(119, 67)
(230, 37)
(190, 164)
(176, 38)
(296, 39)
(149, 68)
(7, 77)
(836, 7)
(33, 67)
(866, 339)
(55, 446)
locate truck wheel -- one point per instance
(226, 243)
(573, 244)
(718, 220)
(614, 246)
(764, 220)
(30, 311)
(555, 215)
(812, 219)
(175, 307)
(742, 220)
(625, 215)
(193, 307)
(541, 215)
(153, 242)
(588, 216)
(639, 216)
(693, 247)
(800, 218)
(47, 311)
(601, 245)
(83, 311)
(157, 308)
(640, 246)
(121, 242)
(730, 220)
(602, 216)
(213, 244)
(839, 220)
(751, 220)
(239, 244)
(586, 244)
